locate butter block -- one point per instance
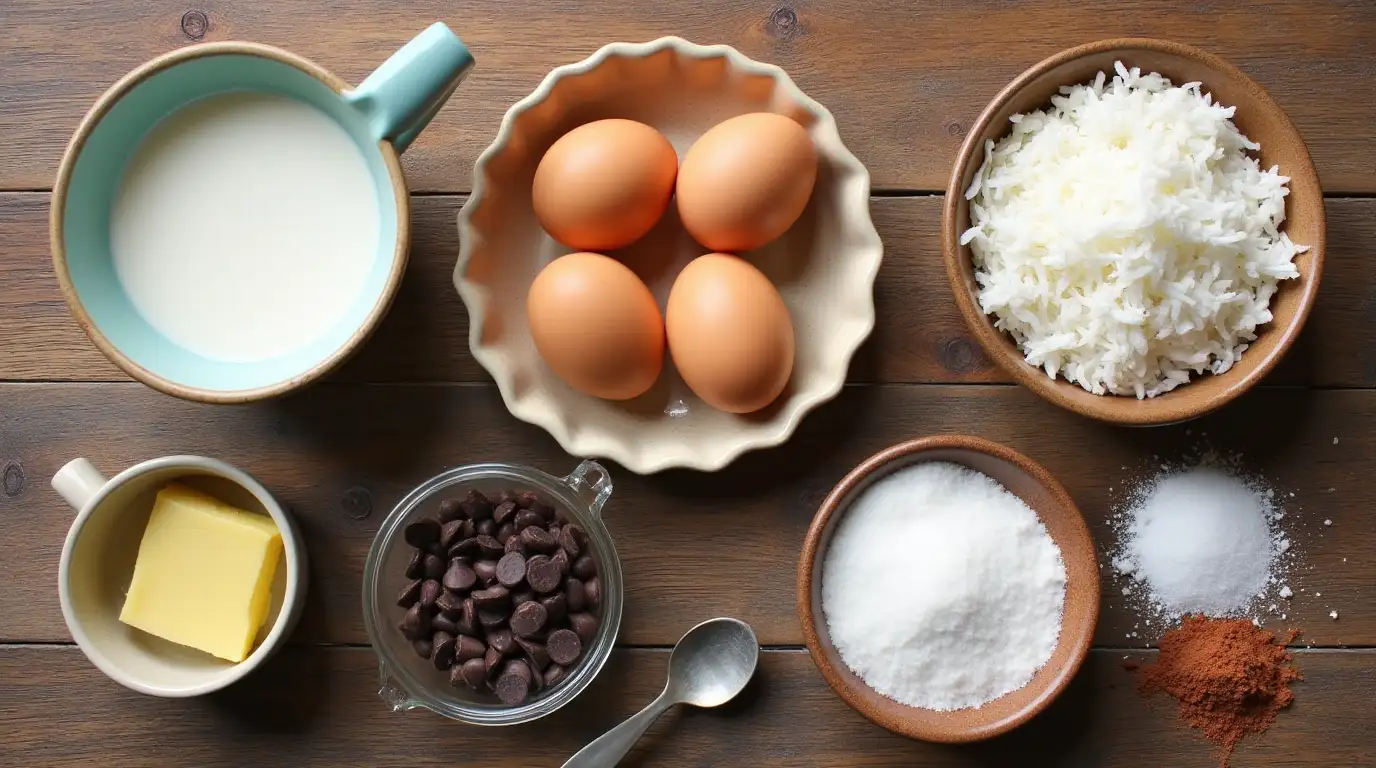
(203, 577)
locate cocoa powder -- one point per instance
(1230, 677)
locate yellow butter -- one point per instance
(204, 573)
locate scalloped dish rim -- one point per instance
(622, 451)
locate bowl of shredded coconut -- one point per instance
(1134, 230)
(948, 589)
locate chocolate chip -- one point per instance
(577, 597)
(564, 646)
(476, 505)
(449, 603)
(490, 547)
(542, 574)
(434, 566)
(435, 549)
(513, 685)
(526, 518)
(535, 652)
(519, 599)
(470, 530)
(443, 623)
(485, 527)
(450, 510)
(468, 618)
(460, 577)
(503, 640)
(430, 591)
(423, 532)
(472, 673)
(592, 589)
(444, 644)
(469, 648)
(466, 548)
(505, 534)
(556, 607)
(514, 544)
(562, 560)
(416, 623)
(503, 512)
(422, 647)
(505, 495)
(416, 568)
(492, 618)
(538, 539)
(584, 567)
(527, 500)
(554, 674)
(410, 594)
(451, 533)
(492, 659)
(554, 529)
(584, 625)
(511, 569)
(486, 571)
(568, 539)
(529, 619)
(493, 597)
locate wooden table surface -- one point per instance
(905, 80)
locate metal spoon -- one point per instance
(708, 667)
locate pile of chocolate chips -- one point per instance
(503, 594)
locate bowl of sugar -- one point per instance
(948, 589)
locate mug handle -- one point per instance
(591, 483)
(78, 482)
(400, 97)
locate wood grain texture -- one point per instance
(318, 707)
(919, 336)
(693, 545)
(905, 80)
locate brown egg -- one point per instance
(746, 181)
(604, 184)
(729, 333)
(596, 325)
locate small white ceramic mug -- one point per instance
(98, 564)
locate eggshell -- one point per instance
(604, 184)
(746, 181)
(730, 334)
(596, 325)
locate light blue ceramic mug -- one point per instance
(381, 117)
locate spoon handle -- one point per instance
(608, 749)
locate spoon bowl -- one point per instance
(713, 662)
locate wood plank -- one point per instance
(317, 707)
(905, 80)
(919, 336)
(748, 521)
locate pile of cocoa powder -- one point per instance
(1231, 677)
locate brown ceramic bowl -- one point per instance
(1258, 116)
(1030, 482)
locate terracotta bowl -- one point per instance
(1258, 116)
(1040, 491)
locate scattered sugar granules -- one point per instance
(1203, 539)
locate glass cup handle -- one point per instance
(396, 697)
(592, 484)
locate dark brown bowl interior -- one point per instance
(1030, 482)
(1258, 117)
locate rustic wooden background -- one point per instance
(904, 80)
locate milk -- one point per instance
(245, 226)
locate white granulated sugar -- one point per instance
(1333, 615)
(1201, 541)
(1126, 237)
(1286, 592)
(941, 589)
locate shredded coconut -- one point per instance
(941, 589)
(1125, 237)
